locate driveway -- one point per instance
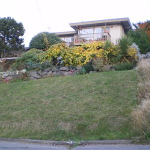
(24, 146)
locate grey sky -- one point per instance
(55, 15)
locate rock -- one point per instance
(49, 73)
(147, 55)
(34, 74)
(54, 69)
(47, 69)
(23, 71)
(64, 69)
(9, 78)
(43, 73)
(56, 74)
(5, 75)
(69, 73)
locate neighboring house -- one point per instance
(100, 30)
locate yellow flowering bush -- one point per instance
(132, 52)
(81, 55)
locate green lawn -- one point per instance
(88, 107)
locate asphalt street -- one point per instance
(5, 145)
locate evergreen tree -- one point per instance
(11, 34)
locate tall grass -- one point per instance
(141, 115)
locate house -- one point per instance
(100, 30)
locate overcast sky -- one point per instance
(55, 15)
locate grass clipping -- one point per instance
(141, 115)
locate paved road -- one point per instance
(24, 146)
(113, 147)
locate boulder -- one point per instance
(47, 69)
(49, 73)
(43, 73)
(34, 75)
(64, 69)
(9, 78)
(69, 73)
(5, 75)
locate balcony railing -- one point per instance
(86, 38)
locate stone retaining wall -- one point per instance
(33, 75)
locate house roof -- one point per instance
(67, 33)
(125, 22)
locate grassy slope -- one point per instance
(92, 106)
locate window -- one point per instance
(87, 31)
(99, 32)
(68, 39)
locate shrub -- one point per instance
(124, 44)
(141, 115)
(124, 66)
(62, 55)
(44, 40)
(140, 37)
(110, 52)
(30, 60)
(88, 67)
(81, 71)
(79, 55)
(127, 53)
(145, 25)
(98, 64)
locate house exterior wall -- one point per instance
(116, 32)
(94, 33)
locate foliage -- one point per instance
(44, 40)
(11, 34)
(110, 52)
(81, 71)
(98, 64)
(88, 67)
(140, 37)
(80, 55)
(30, 60)
(124, 66)
(146, 26)
(124, 44)
(126, 53)
(62, 55)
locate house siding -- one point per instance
(116, 32)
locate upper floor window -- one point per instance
(68, 39)
(102, 29)
(94, 30)
(86, 31)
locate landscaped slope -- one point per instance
(91, 106)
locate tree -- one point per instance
(145, 25)
(44, 40)
(11, 34)
(140, 37)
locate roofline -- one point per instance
(101, 21)
(65, 33)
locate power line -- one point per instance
(39, 9)
(36, 1)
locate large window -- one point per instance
(95, 33)
(87, 31)
(68, 39)
(87, 34)
(99, 32)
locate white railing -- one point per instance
(86, 38)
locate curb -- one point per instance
(68, 143)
